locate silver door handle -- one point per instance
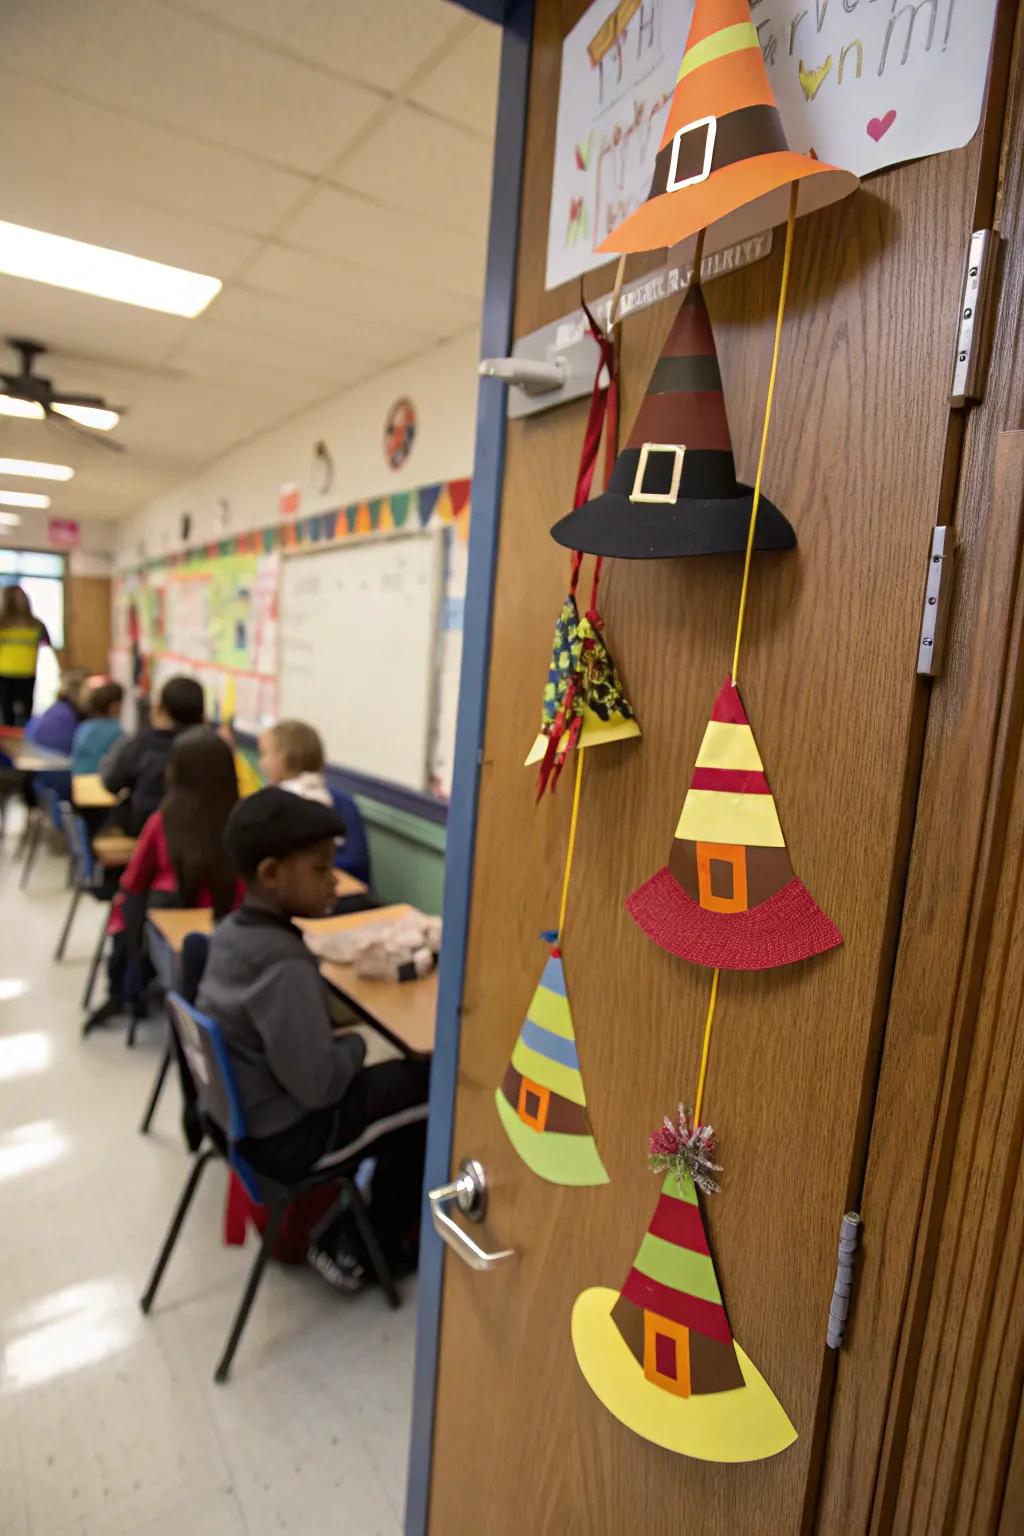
(469, 1193)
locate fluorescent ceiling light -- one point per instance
(63, 263)
(9, 520)
(32, 469)
(85, 415)
(23, 499)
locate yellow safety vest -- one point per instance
(19, 648)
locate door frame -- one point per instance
(488, 485)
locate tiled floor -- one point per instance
(110, 1424)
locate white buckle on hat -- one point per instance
(710, 124)
(678, 453)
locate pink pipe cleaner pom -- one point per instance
(684, 1149)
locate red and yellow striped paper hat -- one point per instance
(724, 164)
(728, 896)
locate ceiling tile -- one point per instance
(175, 69)
(463, 86)
(196, 421)
(404, 313)
(354, 228)
(40, 200)
(74, 322)
(255, 362)
(418, 162)
(371, 40)
(84, 142)
(322, 332)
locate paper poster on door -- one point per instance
(875, 82)
(865, 83)
(619, 65)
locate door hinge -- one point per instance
(972, 330)
(839, 1306)
(938, 590)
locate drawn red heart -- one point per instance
(881, 125)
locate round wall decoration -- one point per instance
(399, 432)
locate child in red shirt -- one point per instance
(179, 860)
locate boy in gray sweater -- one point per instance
(307, 1098)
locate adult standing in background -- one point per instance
(21, 635)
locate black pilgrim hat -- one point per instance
(673, 490)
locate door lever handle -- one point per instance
(469, 1192)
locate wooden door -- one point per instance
(863, 460)
(87, 622)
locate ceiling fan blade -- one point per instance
(60, 397)
(84, 434)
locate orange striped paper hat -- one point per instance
(724, 164)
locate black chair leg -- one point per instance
(31, 849)
(176, 1225)
(137, 1016)
(65, 933)
(157, 1090)
(277, 1210)
(381, 1268)
(94, 966)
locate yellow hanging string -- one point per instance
(787, 260)
(707, 1047)
(571, 849)
(752, 528)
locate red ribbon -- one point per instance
(604, 409)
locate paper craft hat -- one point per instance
(724, 164)
(583, 697)
(541, 1102)
(673, 490)
(729, 897)
(660, 1354)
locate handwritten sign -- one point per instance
(869, 83)
(865, 83)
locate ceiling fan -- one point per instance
(28, 394)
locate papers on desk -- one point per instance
(392, 949)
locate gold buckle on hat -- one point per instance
(710, 125)
(678, 452)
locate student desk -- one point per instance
(29, 759)
(113, 849)
(402, 1011)
(88, 793)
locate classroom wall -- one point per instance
(99, 537)
(240, 493)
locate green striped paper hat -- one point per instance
(541, 1102)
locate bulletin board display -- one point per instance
(214, 613)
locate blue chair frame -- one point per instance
(191, 965)
(206, 1052)
(87, 877)
(51, 805)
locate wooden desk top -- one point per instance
(88, 793)
(30, 759)
(113, 849)
(347, 885)
(402, 1010)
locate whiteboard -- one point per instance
(358, 632)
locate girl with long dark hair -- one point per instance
(179, 861)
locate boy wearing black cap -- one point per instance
(304, 1091)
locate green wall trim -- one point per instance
(414, 829)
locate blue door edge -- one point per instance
(488, 480)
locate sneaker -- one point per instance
(111, 1009)
(343, 1270)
